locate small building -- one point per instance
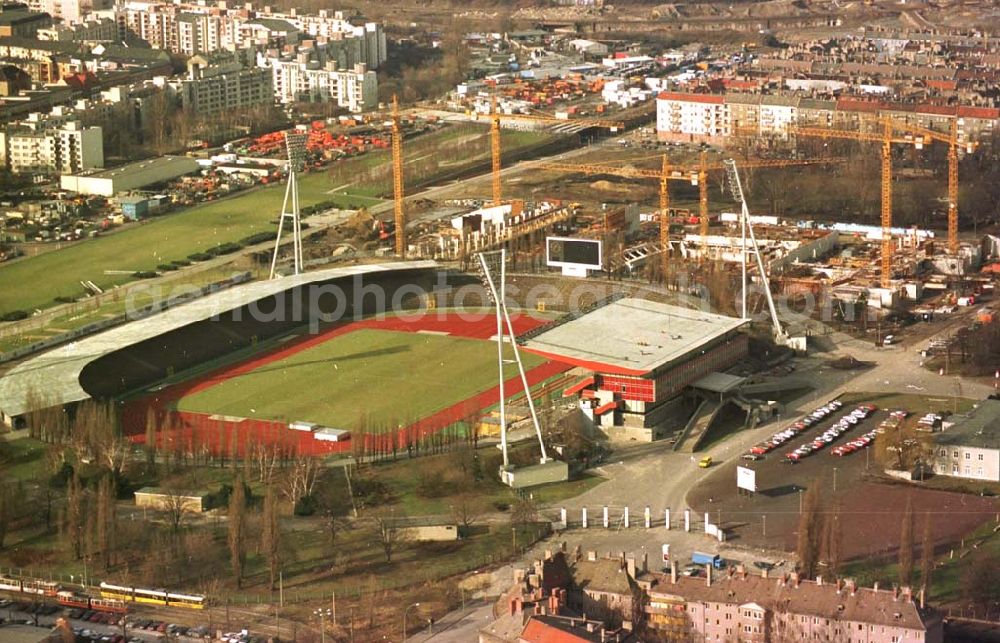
(134, 207)
(328, 434)
(159, 499)
(970, 447)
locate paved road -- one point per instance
(656, 476)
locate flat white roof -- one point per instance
(56, 374)
(632, 336)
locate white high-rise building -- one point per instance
(63, 148)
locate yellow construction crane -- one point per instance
(697, 175)
(886, 137)
(951, 139)
(496, 117)
(397, 181)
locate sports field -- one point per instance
(367, 377)
(35, 282)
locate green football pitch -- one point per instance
(379, 378)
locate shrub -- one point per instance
(181, 262)
(224, 248)
(63, 299)
(144, 274)
(305, 506)
(259, 237)
(199, 256)
(14, 315)
(166, 267)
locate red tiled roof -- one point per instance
(691, 98)
(537, 631)
(978, 112)
(940, 110)
(943, 84)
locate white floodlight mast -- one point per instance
(501, 311)
(295, 145)
(747, 229)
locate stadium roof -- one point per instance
(56, 374)
(632, 336)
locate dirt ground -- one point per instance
(870, 508)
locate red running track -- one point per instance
(195, 432)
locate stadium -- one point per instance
(319, 351)
(313, 362)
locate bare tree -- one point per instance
(271, 534)
(464, 512)
(4, 514)
(105, 519)
(833, 540)
(906, 544)
(175, 506)
(388, 532)
(810, 531)
(237, 529)
(300, 480)
(523, 512)
(73, 516)
(926, 555)
(151, 427)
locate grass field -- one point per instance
(378, 377)
(36, 282)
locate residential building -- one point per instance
(19, 21)
(71, 12)
(98, 30)
(732, 605)
(193, 27)
(537, 608)
(686, 117)
(970, 447)
(304, 79)
(738, 606)
(51, 146)
(715, 117)
(220, 83)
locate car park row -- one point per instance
(760, 450)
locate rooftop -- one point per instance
(824, 600)
(980, 428)
(140, 167)
(632, 336)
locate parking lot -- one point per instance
(106, 627)
(869, 509)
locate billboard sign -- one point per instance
(574, 255)
(746, 479)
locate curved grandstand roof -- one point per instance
(56, 374)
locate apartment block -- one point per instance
(301, 79)
(190, 28)
(683, 117)
(53, 147)
(102, 29)
(22, 22)
(217, 84)
(735, 605)
(71, 12)
(713, 118)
